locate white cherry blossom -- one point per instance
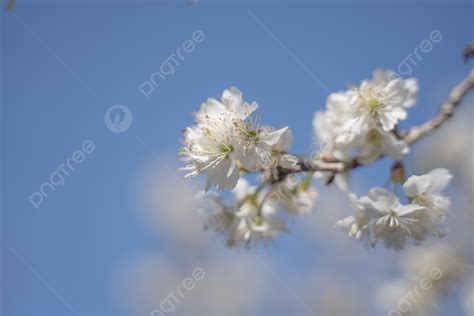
(228, 142)
(211, 149)
(357, 225)
(225, 139)
(426, 190)
(257, 145)
(380, 102)
(378, 142)
(249, 221)
(381, 216)
(296, 197)
(352, 123)
(256, 217)
(395, 222)
(329, 126)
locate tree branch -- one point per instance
(446, 110)
(469, 51)
(327, 164)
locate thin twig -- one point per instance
(446, 110)
(469, 52)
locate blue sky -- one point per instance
(65, 63)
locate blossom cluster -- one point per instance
(228, 139)
(360, 124)
(381, 216)
(362, 121)
(252, 217)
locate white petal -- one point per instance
(394, 147)
(242, 189)
(272, 138)
(338, 102)
(321, 127)
(250, 160)
(285, 141)
(232, 98)
(245, 110)
(404, 210)
(440, 179)
(383, 76)
(212, 107)
(411, 85)
(219, 175)
(416, 185)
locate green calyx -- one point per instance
(252, 134)
(258, 220)
(226, 149)
(373, 105)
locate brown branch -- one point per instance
(10, 5)
(446, 110)
(469, 52)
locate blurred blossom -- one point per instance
(250, 222)
(231, 285)
(363, 117)
(234, 285)
(297, 198)
(468, 298)
(396, 298)
(420, 262)
(381, 215)
(456, 141)
(335, 297)
(166, 205)
(450, 258)
(141, 283)
(426, 276)
(331, 208)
